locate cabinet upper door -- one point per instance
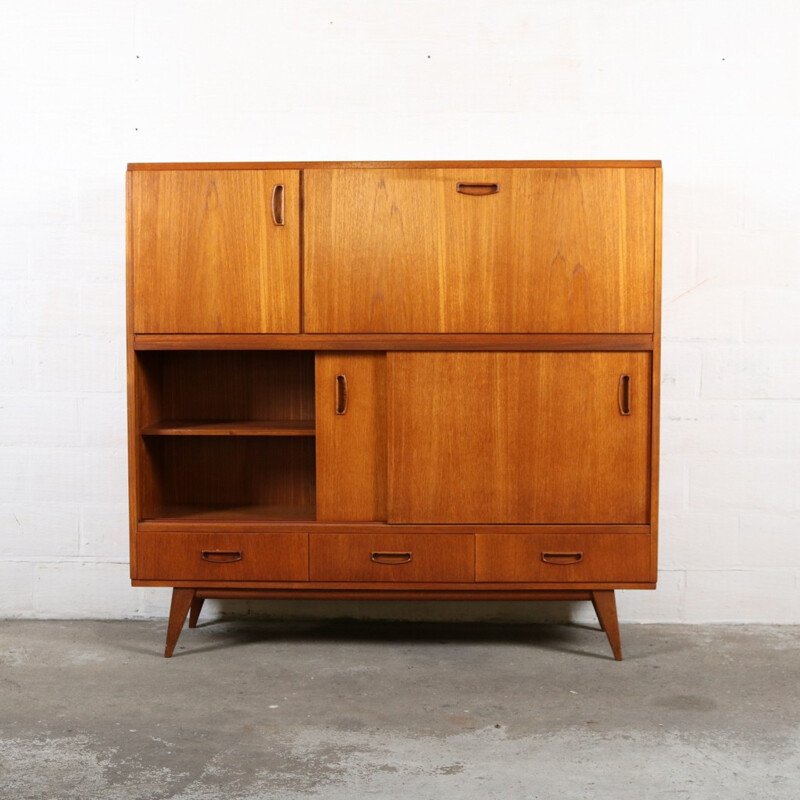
(562, 250)
(518, 438)
(216, 251)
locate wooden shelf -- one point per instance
(230, 513)
(593, 342)
(253, 427)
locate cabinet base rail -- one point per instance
(190, 601)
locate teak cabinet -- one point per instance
(394, 380)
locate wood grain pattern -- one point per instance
(278, 427)
(385, 591)
(409, 341)
(393, 592)
(134, 454)
(207, 257)
(232, 477)
(655, 412)
(226, 386)
(401, 251)
(517, 438)
(250, 517)
(605, 606)
(255, 524)
(308, 165)
(435, 557)
(351, 447)
(189, 403)
(263, 556)
(518, 557)
(182, 600)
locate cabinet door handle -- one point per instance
(562, 558)
(341, 394)
(624, 395)
(278, 204)
(477, 189)
(390, 558)
(221, 556)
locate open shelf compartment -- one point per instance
(268, 392)
(226, 435)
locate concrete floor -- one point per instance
(256, 709)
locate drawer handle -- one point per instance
(624, 395)
(341, 394)
(278, 205)
(477, 189)
(221, 556)
(562, 558)
(390, 558)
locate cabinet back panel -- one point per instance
(552, 250)
(226, 385)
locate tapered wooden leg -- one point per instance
(181, 601)
(194, 611)
(605, 606)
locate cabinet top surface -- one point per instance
(244, 165)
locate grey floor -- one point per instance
(258, 709)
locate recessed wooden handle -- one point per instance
(390, 558)
(624, 395)
(477, 189)
(278, 204)
(221, 556)
(562, 558)
(341, 394)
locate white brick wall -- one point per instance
(712, 90)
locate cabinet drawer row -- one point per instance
(394, 250)
(388, 557)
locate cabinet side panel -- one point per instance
(656, 403)
(351, 446)
(130, 373)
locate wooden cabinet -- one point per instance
(422, 380)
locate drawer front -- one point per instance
(392, 557)
(222, 557)
(564, 558)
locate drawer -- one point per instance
(427, 558)
(564, 558)
(222, 556)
